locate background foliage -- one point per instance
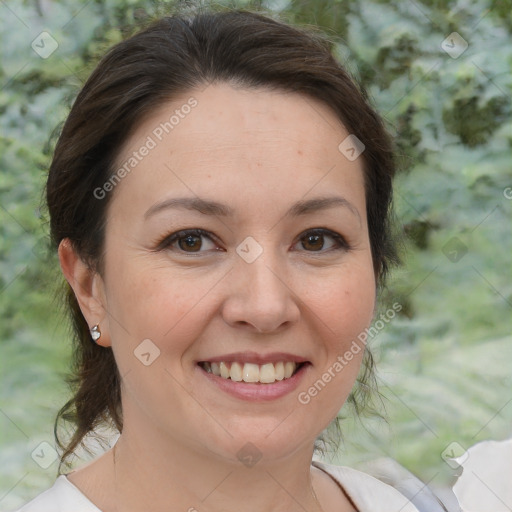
(444, 363)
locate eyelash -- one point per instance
(168, 240)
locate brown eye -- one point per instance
(314, 241)
(187, 241)
(192, 242)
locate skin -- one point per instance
(259, 152)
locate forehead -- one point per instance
(239, 140)
(287, 120)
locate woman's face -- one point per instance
(258, 286)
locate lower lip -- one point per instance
(256, 391)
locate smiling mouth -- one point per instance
(250, 372)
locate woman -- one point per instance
(219, 197)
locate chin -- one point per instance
(263, 440)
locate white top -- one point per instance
(366, 492)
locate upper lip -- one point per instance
(255, 358)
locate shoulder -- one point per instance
(61, 497)
(367, 492)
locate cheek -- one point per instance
(344, 306)
(345, 303)
(156, 303)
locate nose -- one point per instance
(260, 296)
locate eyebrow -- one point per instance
(214, 208)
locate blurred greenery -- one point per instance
(444, 362)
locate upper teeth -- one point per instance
(249, 372)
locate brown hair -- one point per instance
(171, 56)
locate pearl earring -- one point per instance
(95, 332)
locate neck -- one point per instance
(151, 471)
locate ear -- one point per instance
(88, 287)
